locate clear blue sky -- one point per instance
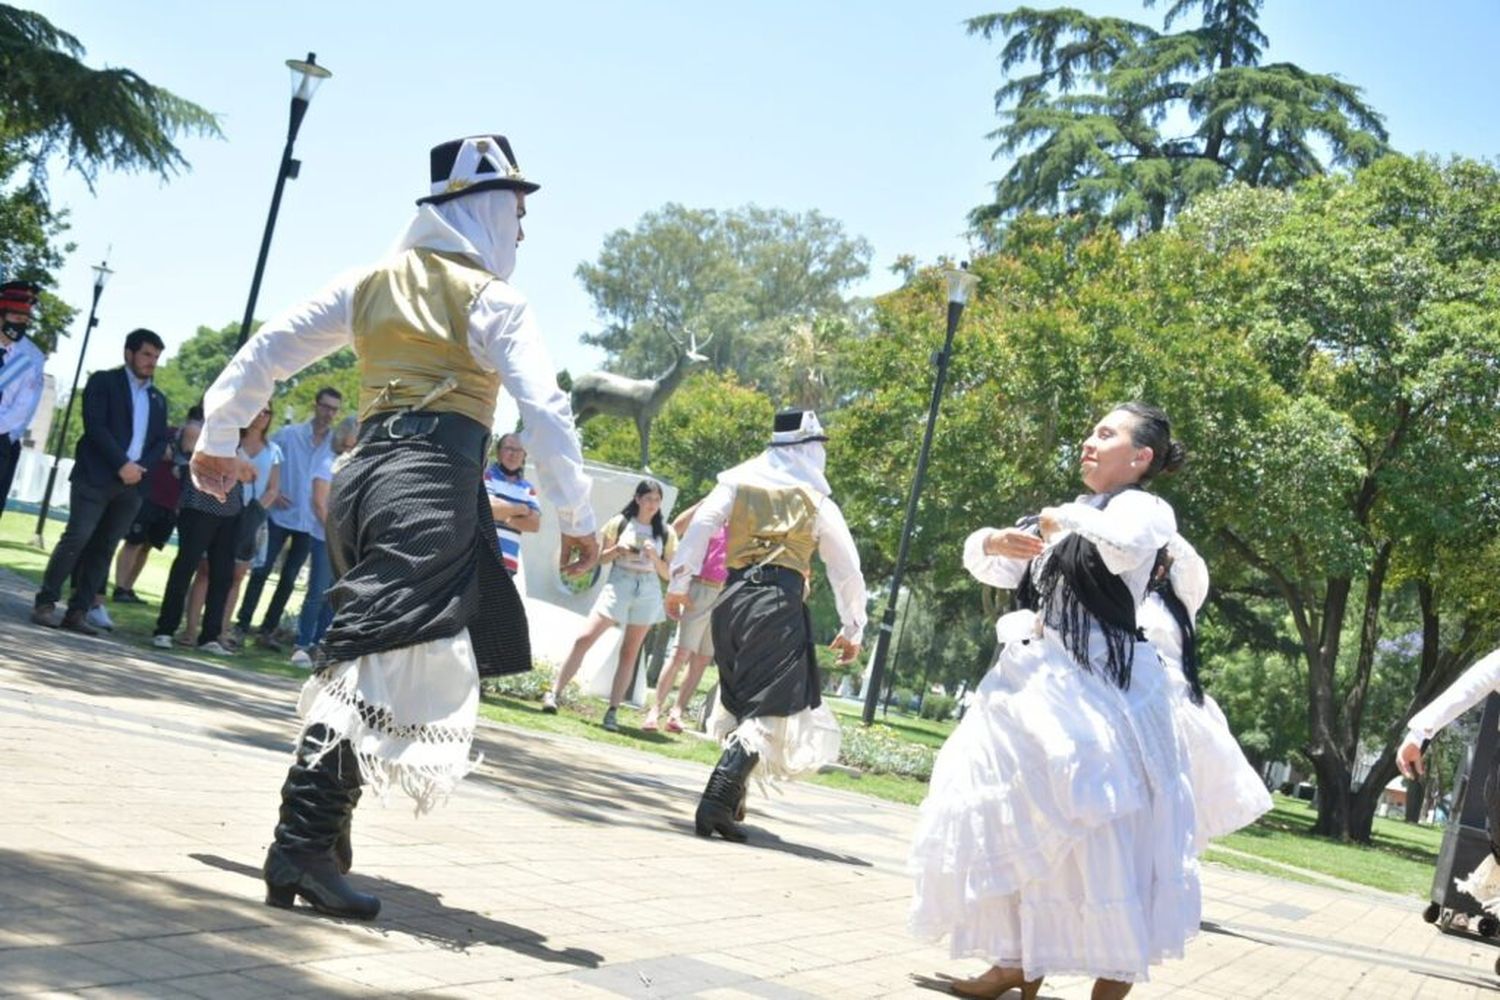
(872, 113)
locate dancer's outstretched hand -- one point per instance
(678, 605)
(1409, 761)
(577, 554)
(1012, 543)
(848, 651)
(214, 474)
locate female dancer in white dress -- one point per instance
(1227, 793)
(1057, 834)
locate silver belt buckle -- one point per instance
(390, 426)
(756, 574)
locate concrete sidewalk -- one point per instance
(140, 791)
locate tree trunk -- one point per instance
(1333, 793)
(1416, 797)
(1364, 801)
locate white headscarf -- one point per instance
(483, 226)
(782, 466)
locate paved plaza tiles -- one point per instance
(139, 792)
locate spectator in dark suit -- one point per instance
(124, 434)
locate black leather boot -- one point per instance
(317, 802)
(724, 797)
(343, 845)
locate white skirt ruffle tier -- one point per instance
(1057, 834)
(1227, 793)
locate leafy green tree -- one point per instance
(749, 278)
(194, 365)
(1328, 355)
(52, 104)
(111, 119)
(1377, 317)
(1093, 117)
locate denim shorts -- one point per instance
(631, 598)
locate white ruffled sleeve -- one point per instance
(1472, 687)
(997, 571)
(841, 558)
(1189, 574)
(1129, 532)
(279, 349)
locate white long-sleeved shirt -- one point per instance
(503, 337)
(1129, 533)
(21, 381)
(1472, 687)
(835, 547)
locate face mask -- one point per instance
(13, 330)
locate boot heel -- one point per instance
(282, 896)
(1030, 990)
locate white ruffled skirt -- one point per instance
(1057, 835)
(1227, 793)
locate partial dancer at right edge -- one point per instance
(1473, 686)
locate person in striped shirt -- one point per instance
(513, 500)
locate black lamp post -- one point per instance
(960, 284)
(305, 79)
(101, 278)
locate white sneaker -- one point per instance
(98, 617)
(301, 659)
(213, 648)
(162, 641)
(549, 703)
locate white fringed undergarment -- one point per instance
(409, 713)
(789, 745)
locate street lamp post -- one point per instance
(101, 278)
(306, 75)
(960, 285)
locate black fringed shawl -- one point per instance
(1161, 583)
(1075, 589)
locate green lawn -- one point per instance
(1400, 858)
(134, 623)
(923, 731)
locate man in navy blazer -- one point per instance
(124, 434)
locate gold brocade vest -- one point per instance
(763, 518)
(411, 335)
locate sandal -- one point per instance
(674, 722)
(649, 725)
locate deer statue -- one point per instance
(640, 399)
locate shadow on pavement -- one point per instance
(764, 840)
(80, 924)
(423, 915)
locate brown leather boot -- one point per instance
(75, 621)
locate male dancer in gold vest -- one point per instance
(770, 713)
(423, 605)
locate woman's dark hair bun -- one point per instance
(1177, 454)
